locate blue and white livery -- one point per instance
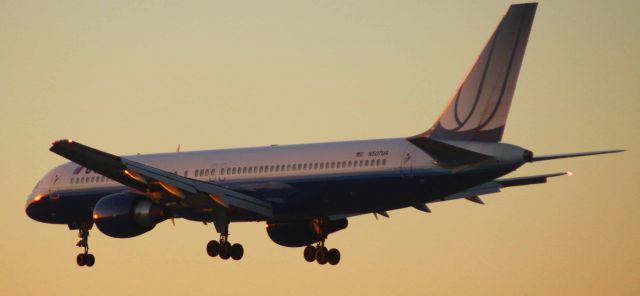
(304, 192)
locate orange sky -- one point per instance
(142, 76)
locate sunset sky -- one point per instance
(144, 76)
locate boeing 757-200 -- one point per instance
(304, 192)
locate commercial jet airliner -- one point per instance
(304, 192)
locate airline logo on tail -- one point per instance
(479, 108)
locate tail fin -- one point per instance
(478, 110)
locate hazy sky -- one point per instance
(142, 76)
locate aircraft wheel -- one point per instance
(310, 253)
(80, 259)
(213, 248)
(321, 255)
(90, 260)
(237, 251)
(333, 256)
(225, 250)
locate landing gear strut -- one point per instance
(224, 248)
(321, 254)
(84, 258)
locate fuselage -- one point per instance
(302, 181)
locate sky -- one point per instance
(145, 76)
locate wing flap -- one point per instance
(216, 193)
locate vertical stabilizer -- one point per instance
(478, 109)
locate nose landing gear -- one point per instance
(84, 258)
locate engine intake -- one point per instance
(127, 214)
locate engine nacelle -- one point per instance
(302, 233)
(127, 214)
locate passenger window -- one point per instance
(344, 164)
(315, 166)
(271, 169)
(322, 165)
(71, 181)
(186, 173)
(384, 162)
(349, 163)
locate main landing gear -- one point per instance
(84, 258)
(225, 249)
(321, 254)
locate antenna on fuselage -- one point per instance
(178, 149)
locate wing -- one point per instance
(146, 178)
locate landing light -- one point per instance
(38, 197)
(569, 174)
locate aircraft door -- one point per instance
(406, 163)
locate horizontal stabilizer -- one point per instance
(529, 180)
(577, 154)
(447, 155)
(473, 193)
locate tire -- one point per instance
(310, 253)
(80, 259)
(333, 256)
(237, 251)
(90, 260)
(225, 250)
(321, 256)
(213, 248)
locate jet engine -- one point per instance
(127, 214)
(303, 233)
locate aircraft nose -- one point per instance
(34, 208)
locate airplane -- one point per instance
(305, 192)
